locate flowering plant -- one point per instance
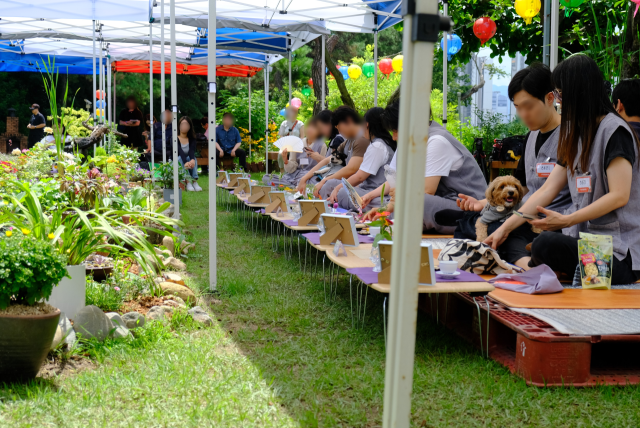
(382, 221)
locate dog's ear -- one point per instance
(489, 192)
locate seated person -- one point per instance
(378, 155)
(626, 100)
(228, 142)
(157, 128)
(449, 169)
(291, 126)
(297, 164)
(187, 150)
(350, 153)
(531, 91)
(162, 148)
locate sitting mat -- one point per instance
(589, 322)
(570, 299)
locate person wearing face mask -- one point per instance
(187, 151)
(531, 91)
(297, 164)
(291, 126)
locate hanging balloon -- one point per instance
(368, 69)
(326, 70)
(286, 105)
(98, 93)
(354, 71)
(527, 9)
(99, 112)
(484, 28)
(396, 63)
(386, 66)
(310, 82)
(296, 102)
(306, 92)
(345, 72)
(283, 112)
(569, 5)
(100, 104)
(454, 44)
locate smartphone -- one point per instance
(527, 216)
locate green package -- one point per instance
(595, 253)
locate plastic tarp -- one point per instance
(128, 66)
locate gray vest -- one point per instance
(295, 176)
(623, 223)
(548, 154)
(376, 180)
(348, 149)
(468, 179)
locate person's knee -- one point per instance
(541, 245)
(343, 199)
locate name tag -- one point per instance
(544, 169)
(583, 184)
(304, 161)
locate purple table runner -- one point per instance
(368, 276)
(314, 238)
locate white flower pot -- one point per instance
(169, 194)
(69, 296)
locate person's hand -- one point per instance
(371, 215)
(30, 126)
(497, 238)
(302, 187)
(233, 152)
(469, 203)
(366, 200)
(333, 197)
(315, 156)
(221, 153)
(284, 153)
(553, 221)
(316, 189)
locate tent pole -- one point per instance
(323, 74)
(445, 66)
(211, 72)
(249, 115)
(108, 106)
(266, 114)
(555, 17)
(101, 86)
(151, 121)
(93, 60)
(375, 67)
(289, 54)
(403, 297)
(162, 92)
(174, 109)
(546, 25)
(115, 111)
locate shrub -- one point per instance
(29, 269)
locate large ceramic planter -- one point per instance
(69, 296)
(168, 195)
(25, 341)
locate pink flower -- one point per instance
(116, 288)
(24, 150)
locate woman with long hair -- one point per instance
(187, 151)
(598, 160)
(129, 122)
(370, 175)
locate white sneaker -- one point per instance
(197, 187)
(190, 187)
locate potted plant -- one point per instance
(165, 178)
(29, 270)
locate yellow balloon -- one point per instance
(527, 9)
(396, 63)
(354, 71)
(99, 112)
(287, 105)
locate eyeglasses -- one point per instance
(558, 94)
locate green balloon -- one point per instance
(569, 5)
(368, 69)
(306, 91)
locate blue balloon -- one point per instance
(345, 72)
(454, 44)
(283, 112)
(100, 104)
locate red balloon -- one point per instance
(484, 28)
(98, 94)
(386, 66)
(310, 82)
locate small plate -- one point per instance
(448, 275)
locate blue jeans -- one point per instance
(193, 172)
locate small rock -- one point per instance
(68, 334)
(174, 303)
(133, 320)
(91, 322)
(168, 243)
(169, 211)
(181, 291)
(57, 338)
(174, 263)
(200, 315)
(173, 277)
(167, 308)
(120, 328)
(156, 313)
(158, 280)
(185, 247)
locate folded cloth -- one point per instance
(539, 280)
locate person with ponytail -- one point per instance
(370, 175)
(598, 160)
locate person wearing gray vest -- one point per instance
(626, 99)
(297, 164)
(598, 161)
(352, 151)
(378, 155)
(531, 91)
(450, 169)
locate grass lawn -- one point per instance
(280, 356)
